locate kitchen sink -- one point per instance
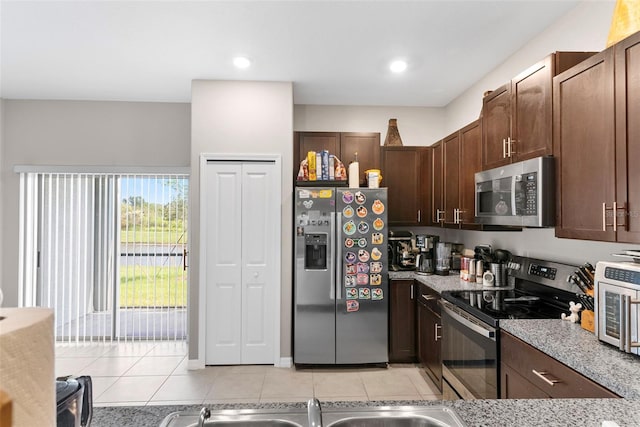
(413, 421)
(295, 417)
(380, 416)
(392, 416)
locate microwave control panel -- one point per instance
(527, 202)
(622, 275)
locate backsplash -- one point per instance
(531, 242)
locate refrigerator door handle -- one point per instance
(338, 258)
(332, 258)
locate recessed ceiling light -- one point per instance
(398, 66)
(241, 62)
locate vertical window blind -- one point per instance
(107, 252)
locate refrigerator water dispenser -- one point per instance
(315, 254)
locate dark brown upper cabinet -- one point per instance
(341, 144)
(597, 142)
(470, 163)
(406, 172)
(627, 93)
(456, 160)
(517, 118)
(437, 183)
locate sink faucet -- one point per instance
(205, 413)
(314, 413)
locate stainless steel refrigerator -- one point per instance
(341, 292)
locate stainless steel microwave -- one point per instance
(519, 194)
(617, 296)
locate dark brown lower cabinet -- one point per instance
(429, 335)
(515, 386)
(402, 321)
(528, 373)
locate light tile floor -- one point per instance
(144, 373)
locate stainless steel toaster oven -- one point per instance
(617, 300)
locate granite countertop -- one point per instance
(580, 350)
(435, 282)
(474, 413)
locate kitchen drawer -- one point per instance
(514, 386)
(553, 378)
(429, 298)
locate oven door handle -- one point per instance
(486, 332)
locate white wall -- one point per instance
(584, 28)
(417, 126)
(2, 181)
(242, 118)
(81, 133)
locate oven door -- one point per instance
(469, 355)
(617, 316)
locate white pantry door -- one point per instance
(240, 262)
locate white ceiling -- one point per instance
(335, 52)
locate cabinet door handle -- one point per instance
(412, 293)
(435, 332)
(614, 209)
(624, 214)
(438, 212)
(504, 148)
(457, 218)
(419, 215)
(541, 375)
(510, 143)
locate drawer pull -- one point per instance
(435, 332)
(541, 375)
(428, 297)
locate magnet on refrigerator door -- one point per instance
(352, 305)
(363, 267)
(376, 279)
(347, 197)
(362, 279)
(377, 207)
(377, 238)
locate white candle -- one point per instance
(354, 175)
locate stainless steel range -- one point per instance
(471, 321)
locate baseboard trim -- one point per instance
(284, 362)
(195, 364)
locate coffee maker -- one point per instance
(401, 253)
(425, 261)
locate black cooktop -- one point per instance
(493, 304)
(531, 295)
